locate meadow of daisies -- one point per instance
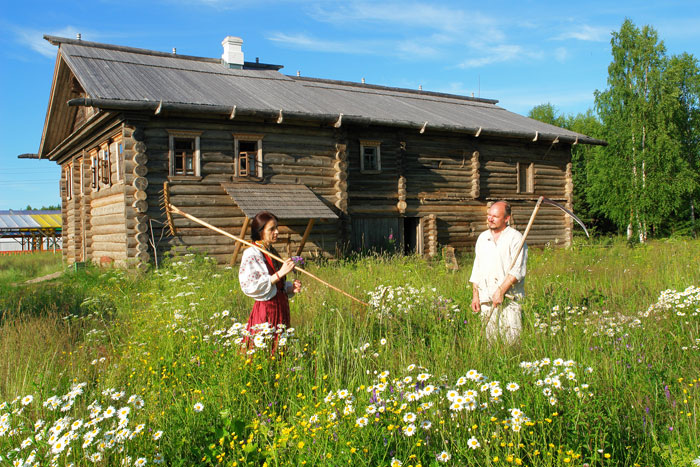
(111, 367)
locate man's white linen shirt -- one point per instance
(492, 261)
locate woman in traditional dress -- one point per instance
(263, 279)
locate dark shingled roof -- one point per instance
(122, 77)
(284, 201)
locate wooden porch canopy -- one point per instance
(282, 200)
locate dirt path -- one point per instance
(47, 277)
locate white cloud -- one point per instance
(305, 42)
(586, 33)
(34, 39)
(499, 54)
(414, 48)
(458, 23)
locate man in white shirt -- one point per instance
(492, 280)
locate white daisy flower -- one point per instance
(198, 407)
(444, 456)
(473, 443)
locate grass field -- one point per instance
(18, 268)
(107, 367)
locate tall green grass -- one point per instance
(161, 338)
(18, 268)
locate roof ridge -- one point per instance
(223, 71)
(392, 88)
(56, 40)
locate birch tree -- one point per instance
(638, 180)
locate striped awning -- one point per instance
(28, 221)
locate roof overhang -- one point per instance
(158, 107)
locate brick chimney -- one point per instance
(233, 54)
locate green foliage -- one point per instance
(51, 207)
(547, 113)
(647, 180)
(642, 179)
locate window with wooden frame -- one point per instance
(94, 177)
(370, 157)
(105, 168)
(247, 150)
(184, 153)
(116, 153)
(69, 181)
(526, 177)
(81, 165)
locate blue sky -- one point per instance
(522, 53)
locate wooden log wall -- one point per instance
(445, 180)
(67, 217)
(106, 211)
(138, 199)
(307, 155)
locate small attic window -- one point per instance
(370, 157)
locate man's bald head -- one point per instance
(505, 205)
(498, 216)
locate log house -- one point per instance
(413, 167)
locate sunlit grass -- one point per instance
(624, 392)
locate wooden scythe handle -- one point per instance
(176, 210)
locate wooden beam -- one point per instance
(306, 235)
(237, 249)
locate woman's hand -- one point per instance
(297, 286)
(287, 267)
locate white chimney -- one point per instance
(233, 54)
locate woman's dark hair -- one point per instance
(259, 222)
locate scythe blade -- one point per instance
(573, 216)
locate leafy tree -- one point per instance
(683, 74)
(547, 113)
(52, 207)
(641, 178)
